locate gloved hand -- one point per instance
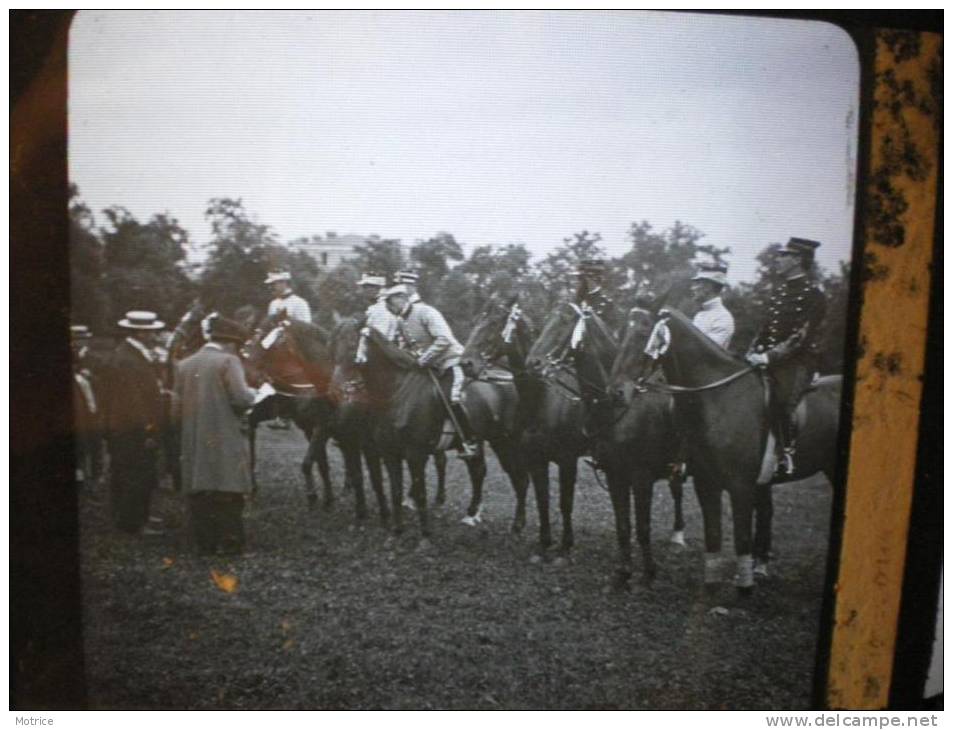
(422, 362)
(758, 359)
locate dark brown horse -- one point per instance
(634, 437)
(295, 359)
(550, 405)
(721, 410)
(411, 426)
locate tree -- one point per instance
(339, 295)
(381, 255)
(144, 264)
(243, 252)
(431, 257)
(89, 301)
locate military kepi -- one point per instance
(800, 247)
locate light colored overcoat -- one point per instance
(210, 396)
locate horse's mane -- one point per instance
(397, 357)
(348, 327)
(712, 348)
(312, 340)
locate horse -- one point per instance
(722, 410)
(295, 358)
(550, 408)
(634, 442)
(411, 424)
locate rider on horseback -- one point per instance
(424, 331)
(713, 318)
(591, 291)
(378, 315)
(787, 343)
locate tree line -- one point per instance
(119, 263)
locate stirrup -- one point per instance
(468, 450)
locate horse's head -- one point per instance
(500, 327)
(632, 363)
(187, 336)
(554, 344)
(283, 352)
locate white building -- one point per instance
(329, 250)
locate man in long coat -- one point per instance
(134, 418)
(211, 396)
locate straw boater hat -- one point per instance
(141, 320)
(372, 280)
(276, 276)
(712, 272)
(406, 277)
(79, 332)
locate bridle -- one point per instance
(266, 342)
(493, 351)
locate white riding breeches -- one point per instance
(456, 390)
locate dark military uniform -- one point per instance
(789, 339)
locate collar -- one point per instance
(285, 296)
(214, 346)
(144, 351)
(415, 297)
(712, 303)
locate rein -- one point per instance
(657, 387)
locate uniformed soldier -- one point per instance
(423, 330)
(285, 299)
(591, 291)
(409, 279)
(378, 315)
(713, 318)
(293, 307)
(787, 343)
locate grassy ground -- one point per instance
(326, 616)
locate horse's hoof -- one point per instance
(760, 571)
(408, 504)
(517, 528)
(471, 520)
(678, 539)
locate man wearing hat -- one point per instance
(409, 279)
(378, 315)
(591, 291)
(787, 343)
(133, 419)
(285, 300)
(290, 305)
(210, 397)
(713, 318)
(423, 330)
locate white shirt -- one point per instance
(380, 318)
(716, 322)
(293, 305)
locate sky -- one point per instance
(496, 126)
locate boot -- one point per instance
(469, 449)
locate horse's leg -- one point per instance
(417, 463)
(567, 494)
(709, 499)
(355, 478)
(539, 473)
(516, 471)
(395, 475)
(764, 514)
(621, 510)
(676, 485)
(373, 460)
(306, 470)
(643, 486)
(476, 467)
(742, 509)
(320, 437)
(440, 462)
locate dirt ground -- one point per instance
(325, 616)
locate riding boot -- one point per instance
(785, 445)
(469, 449)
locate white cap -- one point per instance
(277, 276)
